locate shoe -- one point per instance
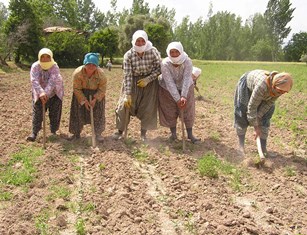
(117, 135)
(173, 138)
(99, 138)
(143, 138)
(31, 137)
(195, 140)
(74, 137)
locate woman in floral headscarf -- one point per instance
(88, 79)
(254, 100)
(48, 89)
(176, 91)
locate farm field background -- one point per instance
(153, 187)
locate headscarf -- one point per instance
(179, 59)
(281, 81)
(141, 34)
(196, 71)
(91, 58)
(46, 65)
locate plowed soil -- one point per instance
(148, 188)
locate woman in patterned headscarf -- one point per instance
(255, 96)
(176, 91)
(88, 79)
(48, 89)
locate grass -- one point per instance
(210, 166)
(20, 170)
(290, 171)
(80, 227)
(59, 192)
(140, 153)
(41, 222)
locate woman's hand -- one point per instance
(93, 102)
(182, 103)
(44, 99)
(257, 131)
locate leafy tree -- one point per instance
(105, 42)
(3, 46)
(278, 14)
(162, 12)
(68, 48)
(23, 23)
(159, 35)
(304, 58)
(261, 50)
(296, 47)
(139, 8)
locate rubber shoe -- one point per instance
(117, 136)
(173, 138)
(195, 140)
(99, 138)
(74, 137)
(31, 137)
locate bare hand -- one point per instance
(93, 102)
(257, 131)
(182, 103)
(87, 105)
(44, 99)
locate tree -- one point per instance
(139, 8)
(105, 42)
(4, 52)
(23, 23)
(296, 47)
(278, 14)
(68, 48)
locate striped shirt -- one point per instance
(260, 101)
(177, 79)
(48, 81)
(148, 65)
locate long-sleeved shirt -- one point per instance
(148, 65)
(260, 101)
(177, 79)
(49, 82)
(97, 81)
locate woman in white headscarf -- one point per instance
(140, 85)
(48, 89)
(176, 91)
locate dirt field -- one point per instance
(145, 188)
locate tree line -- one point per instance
(220, 36)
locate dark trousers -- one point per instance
(54, 107)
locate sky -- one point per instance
(199, 8)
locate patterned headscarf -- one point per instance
(282, 81)
(279, 81)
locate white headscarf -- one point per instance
(141, 34)
(46, 65)
(178, 46)
(196, 71)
